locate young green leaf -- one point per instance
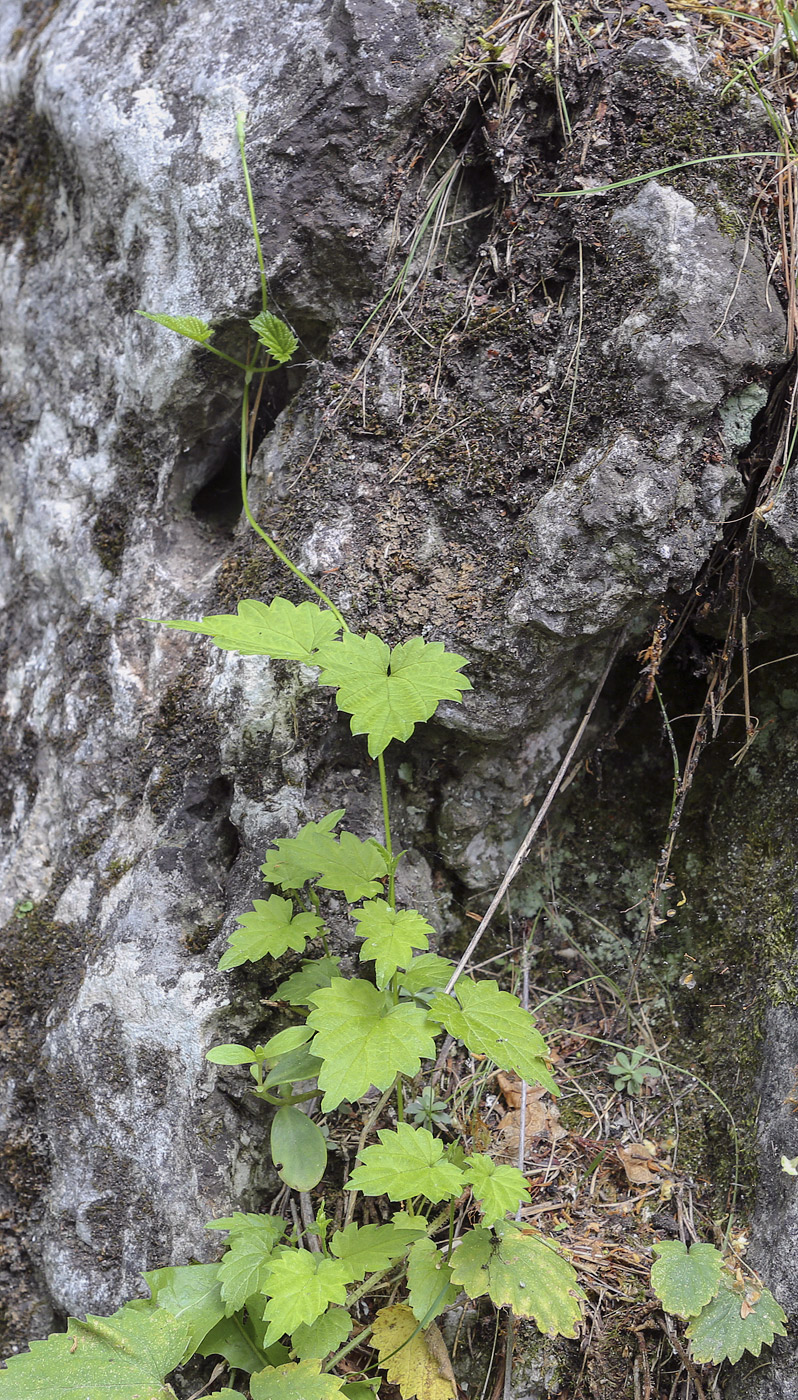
(283, 630)
(353, 866)
(685, 1282)
(498, 1188)
(387, 692)
(243, 1269)
(297, 1064)
(429, 1280)
(192, 1294)
(390, 937)
(300, 858)
(736, 1320)
(279, 340)
(494, 1023)
(300, 1285)
(231, 1055)
(365, 1249)
(407, 1162)
(523, 1272)
(425, 973)
(364, 1039)
(123, 1357)
(189, 326)
(284, 1042)
(296, 1381)
(298, 1148)
(267, 931)
(226, 1394)
(315, 1340)
(297, 988)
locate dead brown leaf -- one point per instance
(637, 1160)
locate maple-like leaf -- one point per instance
(429, 1281)
(312, 1341)
(299, 1380)
(498, 1188)
(387, 692)
(520, 1271)
(300, 1285)
(192, 1294)
(268, 931)
(390, 935)
(685, 1282)
(494, 1023)
(406, 1162)
(242, 1271)
(365, 1249)
(364, 1039)
(191, 327)
(277, 337)
(722, 1333)
(353, 866)
(285, 631)
(298, 859)
(123, 1357)
(417, 1362)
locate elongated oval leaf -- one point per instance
(298, 1147)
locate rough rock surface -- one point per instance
(539, 453)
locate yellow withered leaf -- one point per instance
(419, 1364)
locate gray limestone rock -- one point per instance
(469, 490)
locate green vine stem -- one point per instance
(273, 546)
(241, 118)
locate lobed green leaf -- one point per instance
(524, 1272)
(243, 1269)
(365, 1249)
(298, 859)
(364, 1039)
(390, 937)
(387, 692)
(494, 1023)
(312, 975)
(268, 931)
(406, 1162)
(498, 1188)
(285, 631)
(300, 1285)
